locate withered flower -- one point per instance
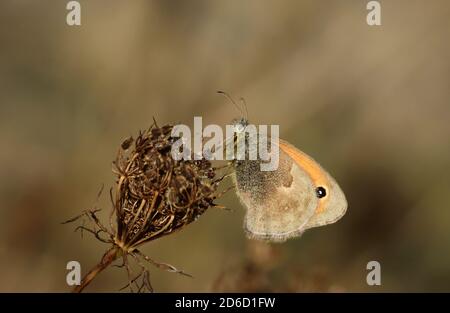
(154, 196)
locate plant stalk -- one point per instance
(106, 260)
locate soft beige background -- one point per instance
(370, 103)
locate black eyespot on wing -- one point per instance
(321, 192)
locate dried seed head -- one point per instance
(157, 195)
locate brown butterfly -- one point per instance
(283, 203)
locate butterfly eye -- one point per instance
(321, 192)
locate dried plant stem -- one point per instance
(109, 256)
(155, 195)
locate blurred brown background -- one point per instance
(371, 104)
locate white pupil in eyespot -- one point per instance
(321, 192)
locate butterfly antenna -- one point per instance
(244, 104)
(231, 99)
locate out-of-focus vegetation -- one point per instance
(371, 104)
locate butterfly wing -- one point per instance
(279, 203)
(333, 205)
(283, 203)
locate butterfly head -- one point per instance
(240, 124)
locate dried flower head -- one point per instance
(155, 195)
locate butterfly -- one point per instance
(281, 204)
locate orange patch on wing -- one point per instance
(314, 171)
